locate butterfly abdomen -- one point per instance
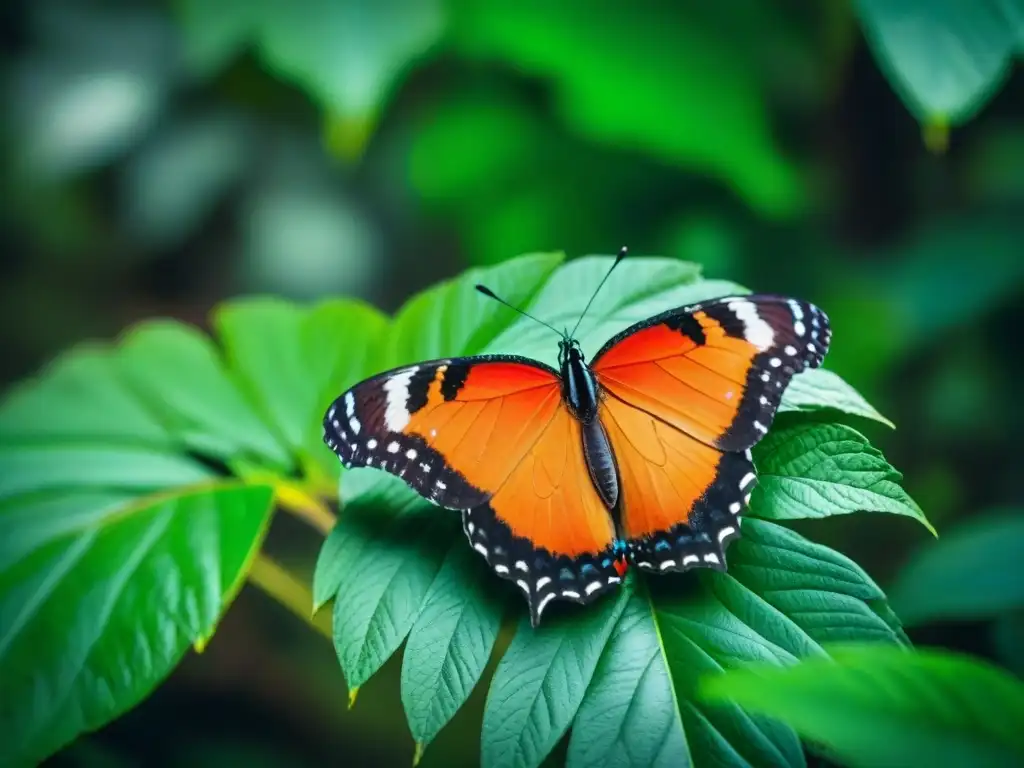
(601, 463)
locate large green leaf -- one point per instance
(678, 90)
(817, 470)
(591, 669)
(348, 56)
(450, 643)
(974, 572)
(102, 592)
(874, 705)
(945, 58)
(122, 537)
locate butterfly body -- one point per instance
(564, 478)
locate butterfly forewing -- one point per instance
(716, 370)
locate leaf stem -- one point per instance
(297, 501)
(281, 585)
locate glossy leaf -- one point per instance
(118, 524)
(819, 389)
(540, 682)
(101, 594)
(450, 643)
(877, 705)
(817, 470)
(945, 58)
(972, 572)
(389, 547)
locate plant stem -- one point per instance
(297, 501)
(287, 590)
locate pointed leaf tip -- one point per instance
(352, 697)
(418, 754)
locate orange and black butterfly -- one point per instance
(566, 477)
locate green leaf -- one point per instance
(675, 84)
(945, 58)
(876, 705)
(630, 715)
(817, 470)
(292, 362)
(389, 545)
(449, 644)
(540, 682)
(101, 594)
(205, 410)
(345, 55)
(819, 389)
(118, 524)
(80, 396)
(973, 572)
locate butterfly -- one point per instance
(566, 478)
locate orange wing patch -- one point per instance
(680, 498)
(546, 528)
(695, 387)
(549, 497)
(717, 370)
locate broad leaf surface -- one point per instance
(388, 566)
(817, 470)
(676, 85)
(346, 55)
(973, 572)
(102, 592)
(875, 705)
(122, 538)
(945, 58)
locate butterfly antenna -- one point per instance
(622, 254)
(492, 295)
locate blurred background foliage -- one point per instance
(160, 157)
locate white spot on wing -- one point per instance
(790, 350)
(396, 415)
(521, 566)
(592, 587)
(756, 330)
(690, 559)
(543, 603)
(371, 443)
(727, 531)
(775, 362)
(711, 558)
(666, 564)
(393, 446)
(353, 424)
(571, 593)
(350, 404)
(735, 507)
(481, 549)
(747, 479)
(543, 581)
(799, 328)
(499, 568)
(411, 453)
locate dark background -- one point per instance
(155, 165)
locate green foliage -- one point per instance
(136, 483)
(782, 597)
(973, 572)
(817, 470)
(129, 515)
(945, 58)
(873, 705)
(346, 55)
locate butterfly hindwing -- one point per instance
(681, 499)
(489, 436)
(716, 370)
